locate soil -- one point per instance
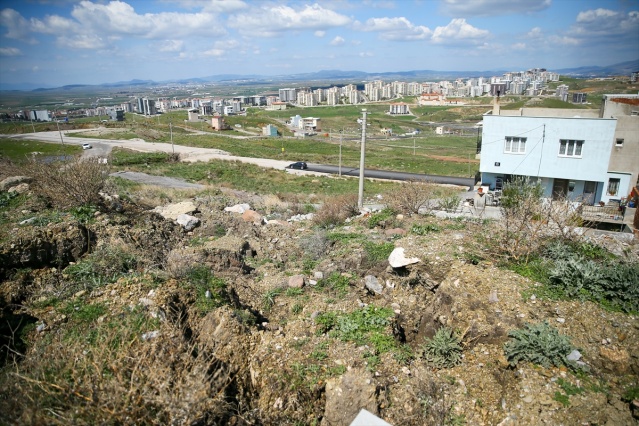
(273, 365)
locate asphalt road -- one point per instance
(102, 148)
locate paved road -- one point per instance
(102, 147)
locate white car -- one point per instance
(86, 146)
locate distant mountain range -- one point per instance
(623, 68)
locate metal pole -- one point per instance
(61, 140)
(171, 129)
(32, 123)
(340, 151)
(413, 146)
(360, 198)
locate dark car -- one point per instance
(299, 165)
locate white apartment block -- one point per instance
(353, 97)
(332, 98)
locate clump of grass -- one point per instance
(378, 252)
(384, 218)
(336, 210)
(210, 291)
(444, 350)
(538, 343)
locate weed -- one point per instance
(444, 350)
(372, 361)
(424, 229)
(336, 282)
(563, 399)
(314, 247)
(631, 394)
(268, 298)
(384, 217)
(336, 211)
(538, 343)
(292, 292)
(449, 204)
(210, 292)
(411, 197)
(245, 316)
(378, 252)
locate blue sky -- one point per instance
(58, 42)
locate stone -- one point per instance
(395, 231)
(12, 181)
(296, 281)
(616, 360)
(318, 275)
(372, 284)
(20, 188)
(188, 222)
(172, 211)
(28, 221)
(366, 418)
(492, 297)
(347, 395)
(252, 216)
(561, 320)
(238, 208)
(397, 259)
(151, 335)
(574, 356)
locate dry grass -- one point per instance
(336, 210)
(112, 375)
(68, 184)
(411, 197)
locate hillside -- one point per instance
(130, 304)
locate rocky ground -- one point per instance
(293, 324)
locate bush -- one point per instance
(411, 197)
(383, 218)
(68, 184)
(336, 211)
(538, 343)
(444, 350)
(449, 204)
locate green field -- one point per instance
(21, 150)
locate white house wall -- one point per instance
(541, 157)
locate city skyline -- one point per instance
(60, 42)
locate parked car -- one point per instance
(86, 146)
(299, 165)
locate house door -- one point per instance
(559, 188)
(590, 190)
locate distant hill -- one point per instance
(623, 68)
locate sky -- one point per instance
(60, 42)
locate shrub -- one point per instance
(411, 197)
(383, 218)
(449, 204)
(538, 343)
(444, 350)
(316, 245)
(336, 210)
(68, 184)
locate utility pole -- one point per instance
(413, 146)
(171, 130)
(341, 132)
(360, 198)
(32, 123)
(61, 140)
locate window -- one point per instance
(619, 142)
(515, 145)
(613, 186)
(570, 148)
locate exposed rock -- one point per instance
(12, 181)
(347, 395)
(20, 188)
(616, 360)
(395, 231)
(252, 216)
(238, 208)
(227, 254)
(172, 211)
(373, 284)
(188, 222)
(296, 281)
(397, 259)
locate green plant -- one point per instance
(292, 292)
(449, 204)
(444, 350)
(538, 343)
(210, 291)
(383, 217)
(268, 298)
(631, 394)
(336, 282)
(424, 229)
(378, 252)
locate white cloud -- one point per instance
(395, 29)
(379, 4)
(458, 30)
(222, 47)
(534, 33)
(17, 27)
(337, 41)
(563, 40)
(10, 51)
(493, 7)
(35, 68)
(82, 41)
(605, 22)
(269, 21)
(519, 46)
(366, 54)
(170, 46)
(120, 18)
(319, 33)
